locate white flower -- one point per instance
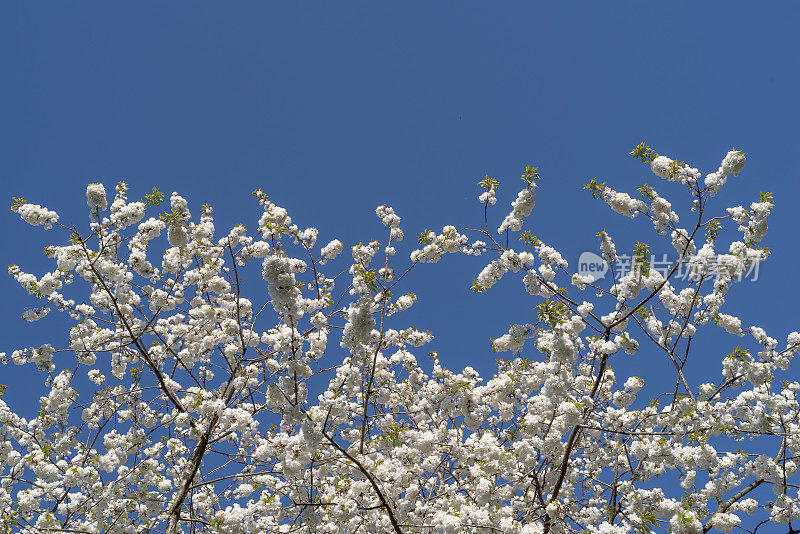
(178, 236)
(96, 376)
(725, 521)
(733, 163)
(36, 215)
(661, 167)
(522, 207)
(488, 197)
(331, 250)
(665, 168)
(387, 216)
(622, 203)
(96, 196)
(730, 323)
(453, 451)
(34, 314)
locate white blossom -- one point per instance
(207, 406)
(96, 196)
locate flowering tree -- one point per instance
(201, 410)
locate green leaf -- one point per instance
(644, 153)
(738, 353)
(595, 188)
(529, 238)
(424, 238)
(170, 218)
(641, 258)
(675, 168)
(155, 198)
(647, 519)
(712, 231)
(370, 277)
(476, 287)
(489, 183)
(529, 175)
(552, 312)
(17, 203)
(647, 192)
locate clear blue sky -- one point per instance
(334, 108)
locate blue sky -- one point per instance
(333, 109)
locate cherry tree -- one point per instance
(178, 404)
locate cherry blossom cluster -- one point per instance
(178, 404)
